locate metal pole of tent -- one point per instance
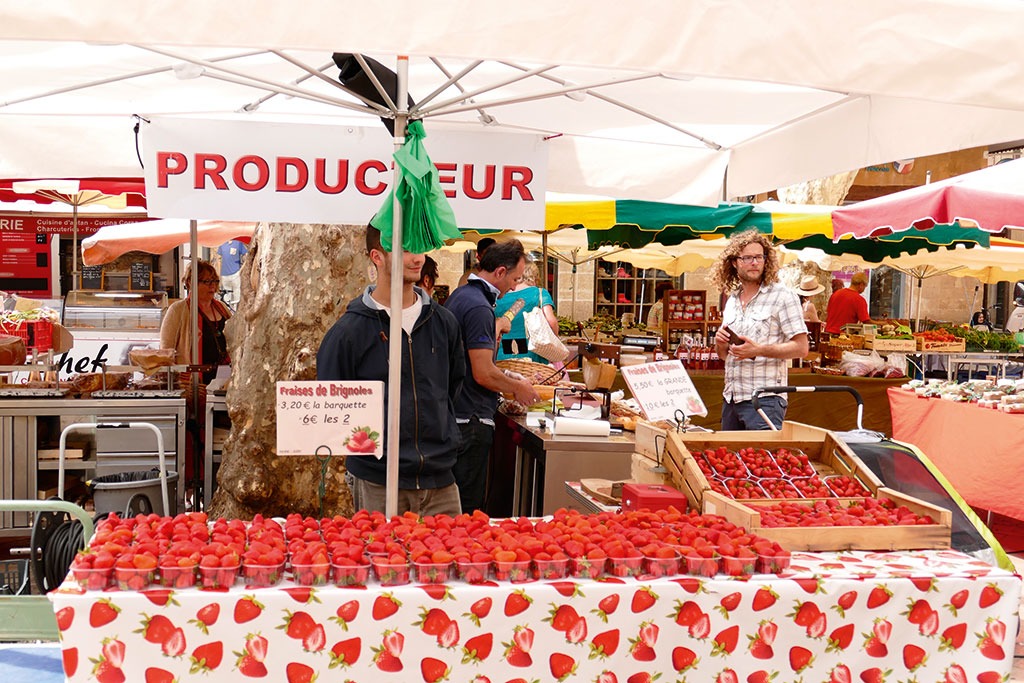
(397, 280)
(193, 254)
(544, 260)
(75, 284)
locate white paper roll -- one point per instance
(572, 426)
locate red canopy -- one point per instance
(134, 189)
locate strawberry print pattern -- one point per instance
(834, 617)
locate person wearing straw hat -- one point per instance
(809, 286)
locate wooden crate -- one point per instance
(891, 345)
(650, 440)
(958, 346)
(828, 455)
(835, 538)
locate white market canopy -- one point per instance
(686, 101)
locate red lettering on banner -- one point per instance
(301, 174)
(517, 177)
(467, 182)
(362, 170)
(163, 169)
(446, 179)
(210, 166)
(320, 177)
(262, 173)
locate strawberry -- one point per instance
(918, 611)
(818, 627)
(156, 629)
(450, 636)
(296, 672)
(930, 625)
(206, 616)
(764, 598)
(727, 676)
(878, 596)
(160, 596)
(577, 633)
(113, 651)
(688, 613)
(246, 609)
(315, 640)
(953, 637)
(841, 638)
(175, 644)
(437, 591)
(384, 606)
(479, 609)
(523, 638)
(767, 630)
(346, 613)
(297, 625)
(875, 647)
(345, 653)
(477, 648)
(874, 675)
(433, 670)
(302, 594)
(607, 606)
(989, 648)
(386, 661)
(69, 661)
(761, 676)
(729, 603)
(562, 617)
(649, 634)
(811, 585)
(565, 588)
(206, 657)
(701, 628)
(955, 674)
(433, 622)
(65, 616)
(990, 595)
(805, 614)
(155, 675)
(604, 644)
(639, 677)
(105, 672)
(760, 649)
(393, 642)
(605, 677)
(644, 598)
(840, 674)
(515, 656)
(642, 652)
(690, 584)
(725, 641)
(800, 658)
(882, 629)
(102, 612)
(517, 602)
(683, 658)
(256, 645)
(562, 666)
(990, 677)
(247, 666)
(913, 656)
(996, 630)
(845, 602)
(958, 600)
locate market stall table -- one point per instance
(846, 616)
(977, 449)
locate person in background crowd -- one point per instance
(837, 284)
(809, 287)
(481, 247)
(848, 306)
(514, 342)
(768, 321)
(501, 268)
(428, 276)
(231, 254)
(433, 368)
(656, 314)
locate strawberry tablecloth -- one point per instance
(922, 616)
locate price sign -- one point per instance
(662, 388)
(92, 277)
(141, 277)
(346, 417)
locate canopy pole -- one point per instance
(397, 283)
(544, 260)
(74, 246)
(194, 376)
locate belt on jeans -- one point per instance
(483, 420)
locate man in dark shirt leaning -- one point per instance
(433, 368)
(501, 267)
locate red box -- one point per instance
(37, 334)
(652, 497)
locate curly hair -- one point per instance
(723, 273)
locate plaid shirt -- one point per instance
(774, 315)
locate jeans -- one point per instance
(742, 416)
(471, 467)
(369, 496)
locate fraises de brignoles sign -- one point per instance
(316, 173)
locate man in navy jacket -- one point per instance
(433, 367)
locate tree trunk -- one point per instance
(296, 282)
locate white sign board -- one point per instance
(662, 388)
(345, 417)
(316, 173)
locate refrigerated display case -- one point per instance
(107, 325)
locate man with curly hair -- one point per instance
(768, 322)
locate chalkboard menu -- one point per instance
(141, 277)
(92, 277)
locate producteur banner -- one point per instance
(316, 173)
